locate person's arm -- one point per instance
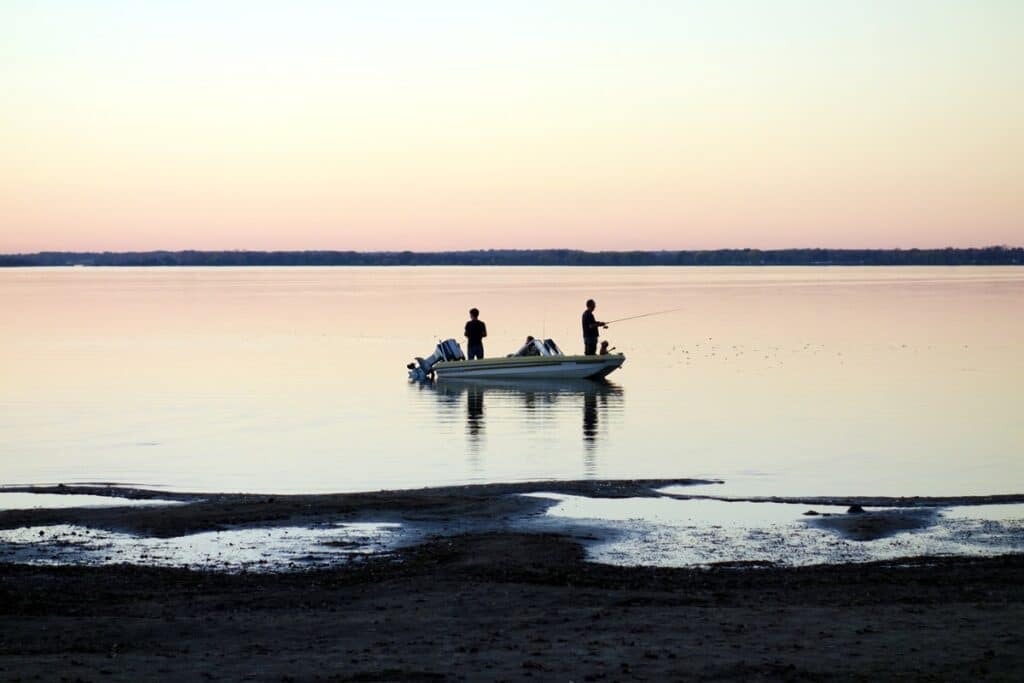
(465, 331)
(483, 329)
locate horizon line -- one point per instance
(518, 250)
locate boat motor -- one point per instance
(446, 351)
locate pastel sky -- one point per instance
(464, 124)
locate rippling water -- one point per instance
(789, 381)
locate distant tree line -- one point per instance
(984, 256)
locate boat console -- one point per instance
(537, 347)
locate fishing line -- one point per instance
(643, 315)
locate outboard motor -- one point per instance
(451, 350)
(446, 351)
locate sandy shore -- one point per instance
(511, 607)
(499, 605)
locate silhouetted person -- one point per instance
(591, 329)
(604, 349)
(476, 330)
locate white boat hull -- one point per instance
(531, 367)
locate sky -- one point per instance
(463, 125)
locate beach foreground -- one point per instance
(512, 606)
(496, 605)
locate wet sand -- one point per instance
(456, 505)
(499, 605)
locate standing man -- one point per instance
(591, 329)
(476, 330)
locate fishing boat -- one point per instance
(537, 359)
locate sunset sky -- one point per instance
(461, 125)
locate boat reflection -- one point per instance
(535, 402)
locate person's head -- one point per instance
(529, 338)
(604, 344)
(474, 314)
(591, 305)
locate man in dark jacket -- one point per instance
(591, 329)
(476, 330)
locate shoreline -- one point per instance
(212, 511)
(218, 511)
(621, 522)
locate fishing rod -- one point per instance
(643, 315)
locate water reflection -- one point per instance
(589, 418)
(474, 412)
(533, 404)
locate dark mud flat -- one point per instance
(466, 506)
(511, 606)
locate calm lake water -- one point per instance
(781, 381)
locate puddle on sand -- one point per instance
(665, 532)
(675, 533)
(990, 513)
(23, 500)
(250, 549)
